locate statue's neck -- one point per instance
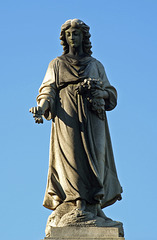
(75, 52)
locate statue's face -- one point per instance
(74, 37)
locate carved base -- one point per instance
(68, 215)
(84, 233)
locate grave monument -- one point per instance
(82, 179)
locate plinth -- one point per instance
(84, 233)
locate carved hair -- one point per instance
(76, 23)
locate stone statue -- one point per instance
(76, 94)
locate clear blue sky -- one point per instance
(124, 39)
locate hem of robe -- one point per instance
(49, 204)
(52, 204)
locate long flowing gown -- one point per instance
(81, 162)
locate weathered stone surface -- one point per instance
(93, 233)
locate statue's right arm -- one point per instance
(47, 92)
(39, 110)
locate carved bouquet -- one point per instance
(97, 105)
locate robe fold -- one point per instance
(81, 162)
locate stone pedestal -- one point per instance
(84, 233)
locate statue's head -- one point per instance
(76, 23)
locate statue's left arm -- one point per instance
(109, 93)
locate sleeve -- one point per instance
(112, 101)
(48, 89)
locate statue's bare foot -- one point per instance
(101, 214)
(81, 204)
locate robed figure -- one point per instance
(76, 94)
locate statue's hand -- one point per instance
(37, 114)
(98, 93)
